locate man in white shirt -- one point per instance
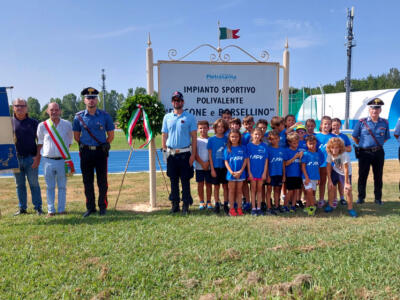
(53, 135)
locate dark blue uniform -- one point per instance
(92, 154)
(371, 153)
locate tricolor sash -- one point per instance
(58, 141)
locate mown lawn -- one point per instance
(138, 255)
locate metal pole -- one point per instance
(285, 82)
(350, 45)
(103, 78)
(323, 100)
(152, 145)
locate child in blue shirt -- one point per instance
(263, 125)
(235, 156)
(276, 171)
(292, 157)
(248, 124)
(310, 164)
(278, 124)
(257, 168)
(216, 145)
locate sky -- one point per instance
(52, 48)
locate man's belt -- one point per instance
(174, 151)
(55, 158)
(89, 147)
(372, 149)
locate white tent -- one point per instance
(333, 105)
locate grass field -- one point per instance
(137, 255)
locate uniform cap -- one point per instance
(89, 91)
(178, 95)
(375, 103)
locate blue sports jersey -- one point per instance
(257, 156)
(294, 169)
(323, 140)
(235, 159)
(217, 146)
(313, 161)
(275, 161)
(282, 140)
(302, 145)
(246, 137)
(344, 138)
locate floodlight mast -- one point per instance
(103, 87)
(350, 44)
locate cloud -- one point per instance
(287, 24)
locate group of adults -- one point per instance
(49, 141)
(93, 130)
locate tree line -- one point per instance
(71, 103)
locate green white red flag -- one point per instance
(146, 126)
(226, 33)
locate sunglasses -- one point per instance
(18, 106)
(177, 100)
(91, 97)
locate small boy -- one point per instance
(301, 131)
(339, 170)
(278, 124)
(292, 157)
(203, 173)
(248, 123)
(227, 117)
(310, 163)
(216, 145)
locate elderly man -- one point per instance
(27, 155)
(370, 134)
(94, 131)
(179, 140)
(54, 139)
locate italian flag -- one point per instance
(146, 126)
(226, 33)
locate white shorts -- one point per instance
(312, 185)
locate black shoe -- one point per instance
(21, 212)
(217, 208)
(360, 201)
(102, 212)
(185, 209)
(175, 207)
(263, 206)
(88, 213)
(300, 203)
(39, 212)
(378, 201)
(226, 209)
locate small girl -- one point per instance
(310, 163)
(257, 169)
(339, 170)
(235, 156)
(276, 171)
(310, 126)
(323, 137)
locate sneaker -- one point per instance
(254, 212)
(272, 212)
(217, 208)
(21, 211)
(352, 213)
(232, 212)
(334, 203)
(360, 201)
(300, 203)
(280, 209)
(311, 210)
(285, 209)
(240, 212)
(247, 206)
(260, 212)
(226, 208)
(378, 201)
(321, 203)
(263, 206)
(292, 209)
(202, 206)
(328, 208)
(343, 202)
(209, 206)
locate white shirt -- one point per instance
(49, 149)
(339, 162)
(202, 151)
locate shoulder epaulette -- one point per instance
(80, 112)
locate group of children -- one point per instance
(290, 160)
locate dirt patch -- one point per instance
(191, 283)
(366, 294)
(103, 295)
(253, 278)
(276, 248)
(231, 254)
(218, 282)
(91, 261)
(208, 297)
(103, 272)
(288, 288)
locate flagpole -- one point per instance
(123, 177)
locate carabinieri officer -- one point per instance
(94, 131)
(370, 134)
(179, 140)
